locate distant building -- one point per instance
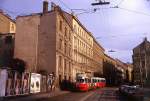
(98, 57)
(122, 70)
(7, 34)
(141, 63)
(109, 70)
(129, 72)
(114, 70)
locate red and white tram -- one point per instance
(84, 83)
(98, 82)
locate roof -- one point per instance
(41, 13)
(33, 14)
(74, 17)
(142, 44)
(71, 16)
(7, 16)
(109, 57)
(98, 44)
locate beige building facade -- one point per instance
(83, 49)
(56, 41)
(98, 57)
(7, 25)
(7, 35)
(44, 42)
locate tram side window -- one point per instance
(86, 80)
(103, 80)
(80, 80)
(89, 81)
(94, 80)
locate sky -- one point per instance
(119, 26)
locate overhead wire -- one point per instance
(65, 5)
(120, 2)
(119, 36)
(134, 11)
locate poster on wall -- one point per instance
(35, 83)
(43, 84)
(25, 83)
(3, 79)
(10, 89)
(18, 81)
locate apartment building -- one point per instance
(7, 34)
(44, 42)
(141, 63)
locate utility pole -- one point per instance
(100, 2)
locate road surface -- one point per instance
(104, 94)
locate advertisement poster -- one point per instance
(18, 81)
(35, 83)
(3, 78)
(43, 84)
(25, 83)
(10, 89)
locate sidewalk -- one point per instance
(32, 97)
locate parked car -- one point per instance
(134, 91)
(122, 88)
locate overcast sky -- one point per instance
(119, 29)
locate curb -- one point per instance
(33, 96)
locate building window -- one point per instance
(60, 25)
(60, 61)
(60, 44)
(8, 39)
(65, 31)
(70, 51)
(65, 48)
(70, 67)
(75, 28)
(65, 65)
(12, 27)
(69, 35)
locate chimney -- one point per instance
(53, 6)
(145, 39)
(45, 6)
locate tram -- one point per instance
(84, 83)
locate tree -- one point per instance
(18, 65)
